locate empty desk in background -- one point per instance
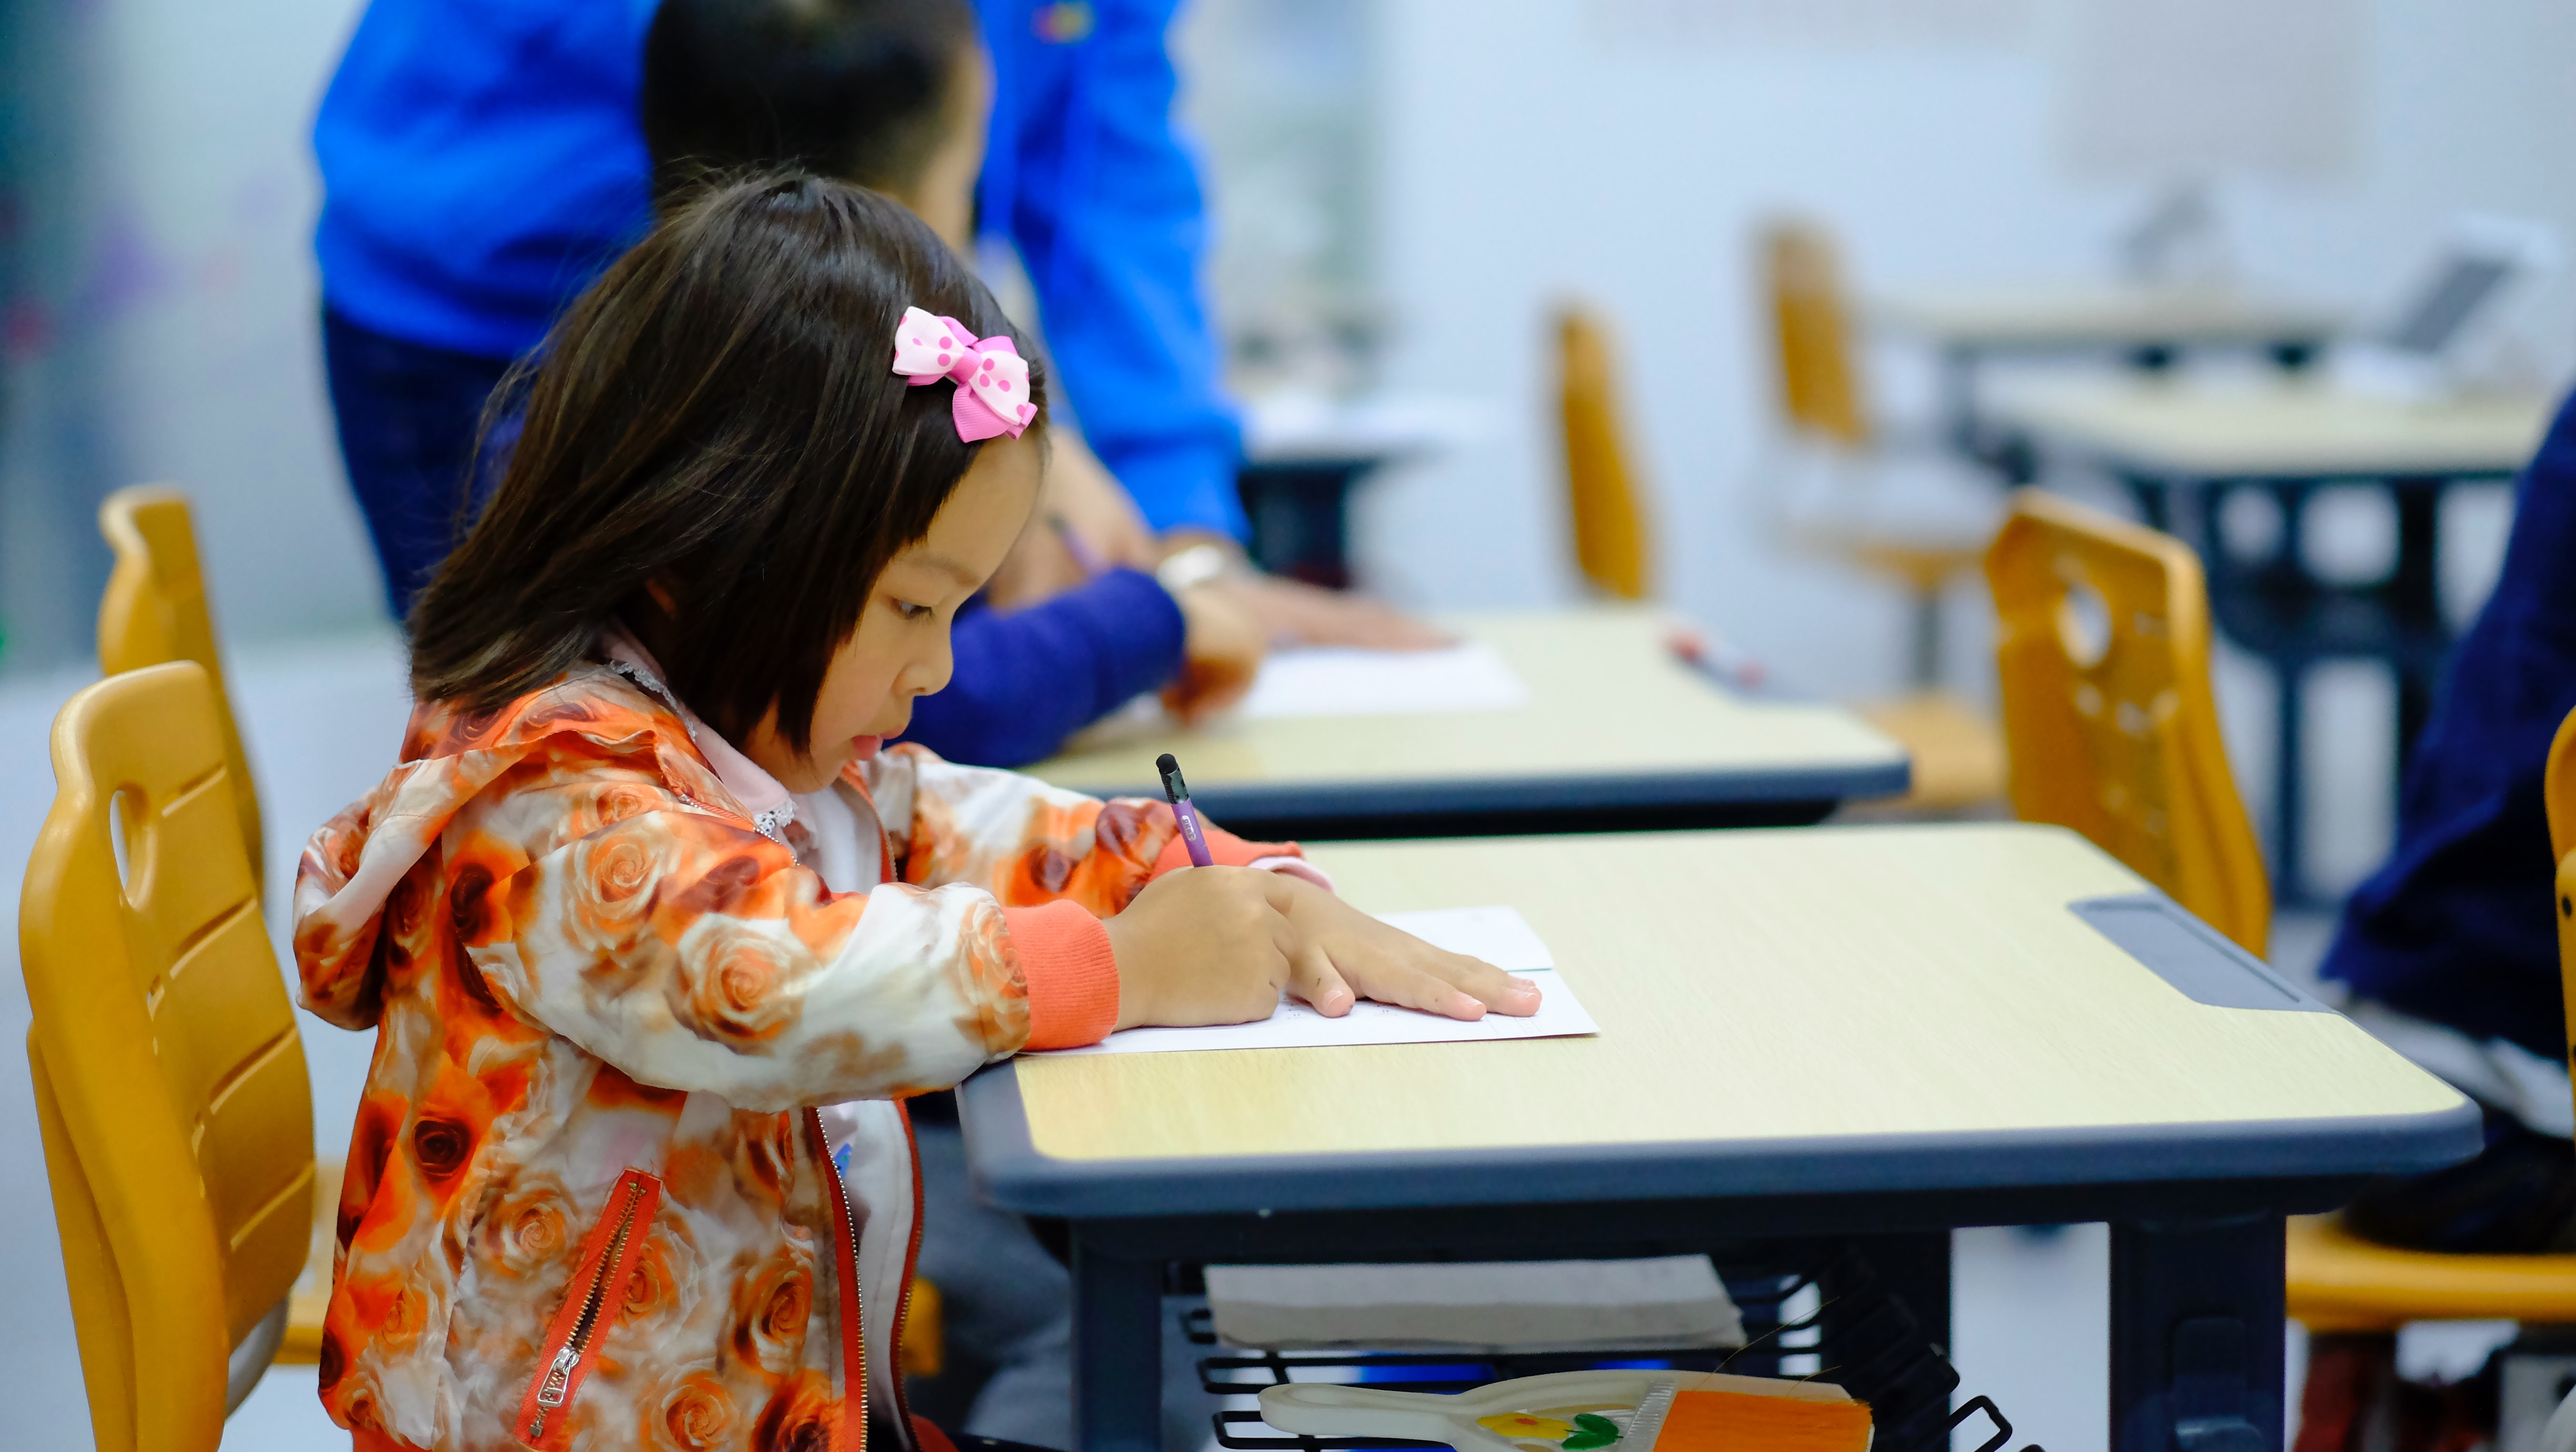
(1869, 1032)
(1304, 454)
(2148, 326)
(1616, 735)
(2182, 450)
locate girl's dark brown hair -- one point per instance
(719, 414)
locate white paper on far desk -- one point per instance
(1337, 682)
(1499, 935)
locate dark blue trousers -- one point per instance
(408, 417)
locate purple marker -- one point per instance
(1182, 812)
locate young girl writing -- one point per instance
(590, 1200)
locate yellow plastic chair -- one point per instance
(170, 1082)
(1600, 488)
(2103, 657)
(2342, 1283)
(1957, 751)
(155, 611)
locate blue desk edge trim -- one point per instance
(1269, 801)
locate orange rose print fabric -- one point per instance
(587, 968)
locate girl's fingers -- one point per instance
(1312, 977)
(1493, 987)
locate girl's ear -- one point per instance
(663, 599)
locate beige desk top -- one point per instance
(2107, 315)
(1609, 710)
(2299, 430)
(1761, 992)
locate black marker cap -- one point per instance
(1173, 786)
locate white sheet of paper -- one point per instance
(1499, 935)
(1338, 682)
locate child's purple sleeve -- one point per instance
(1027, 679)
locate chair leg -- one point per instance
(2352, 1381)
(1927, 637)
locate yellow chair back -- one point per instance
(155, 611)
(2109, 721)
(2558, 789)
(1819, 382)
(170, 1081)
(1601, 489)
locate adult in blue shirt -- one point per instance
(2450, 950)
(481, 164)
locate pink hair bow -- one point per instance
(992, 378)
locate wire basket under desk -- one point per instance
(1834, 1321)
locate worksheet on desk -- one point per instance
(1340, 682)
(1499, 935)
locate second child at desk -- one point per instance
(648, 927)
(895, 95)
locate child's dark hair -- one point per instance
(852, 89)
(718, 414)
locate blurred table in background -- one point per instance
(2183, 451)
(1615, 734)
(1304, 453)
(2148, 326)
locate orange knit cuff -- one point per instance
(1227, 849)
(1071, 973)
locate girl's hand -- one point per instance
(1223, 650)
(1208, 945)
(1214, 945)
(1374, 960)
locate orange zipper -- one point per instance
(854, 1344)
(911, 1263)
(571, 1347)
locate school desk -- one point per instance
(1617, 734)
(2183, 450)
(2147, 325)
(1876, 1032)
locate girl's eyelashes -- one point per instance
(910, 611)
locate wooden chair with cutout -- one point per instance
(2102, 652)
(169, 1077)
(2104, 661)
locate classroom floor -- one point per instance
(323, 718)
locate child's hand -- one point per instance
(1223, 647)
(1217, 944)
(1374, 960)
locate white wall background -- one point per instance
(167, 325)
(1542, 149)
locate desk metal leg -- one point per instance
(1117, 1351)
(1915, 1268)
(2196, 1329)
(2289, 781)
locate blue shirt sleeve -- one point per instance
(1087, 178)
(1027, 679)
(2457, 926)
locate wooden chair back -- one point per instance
(170, 1080)
(2558, 788)
(155, 611)
(2109, 721)
(1601, 487)
(1819, 381)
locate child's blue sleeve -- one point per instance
(1027, 679)
(1086, 176)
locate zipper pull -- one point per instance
(558, 1377)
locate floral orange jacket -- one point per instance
(590, 1199)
